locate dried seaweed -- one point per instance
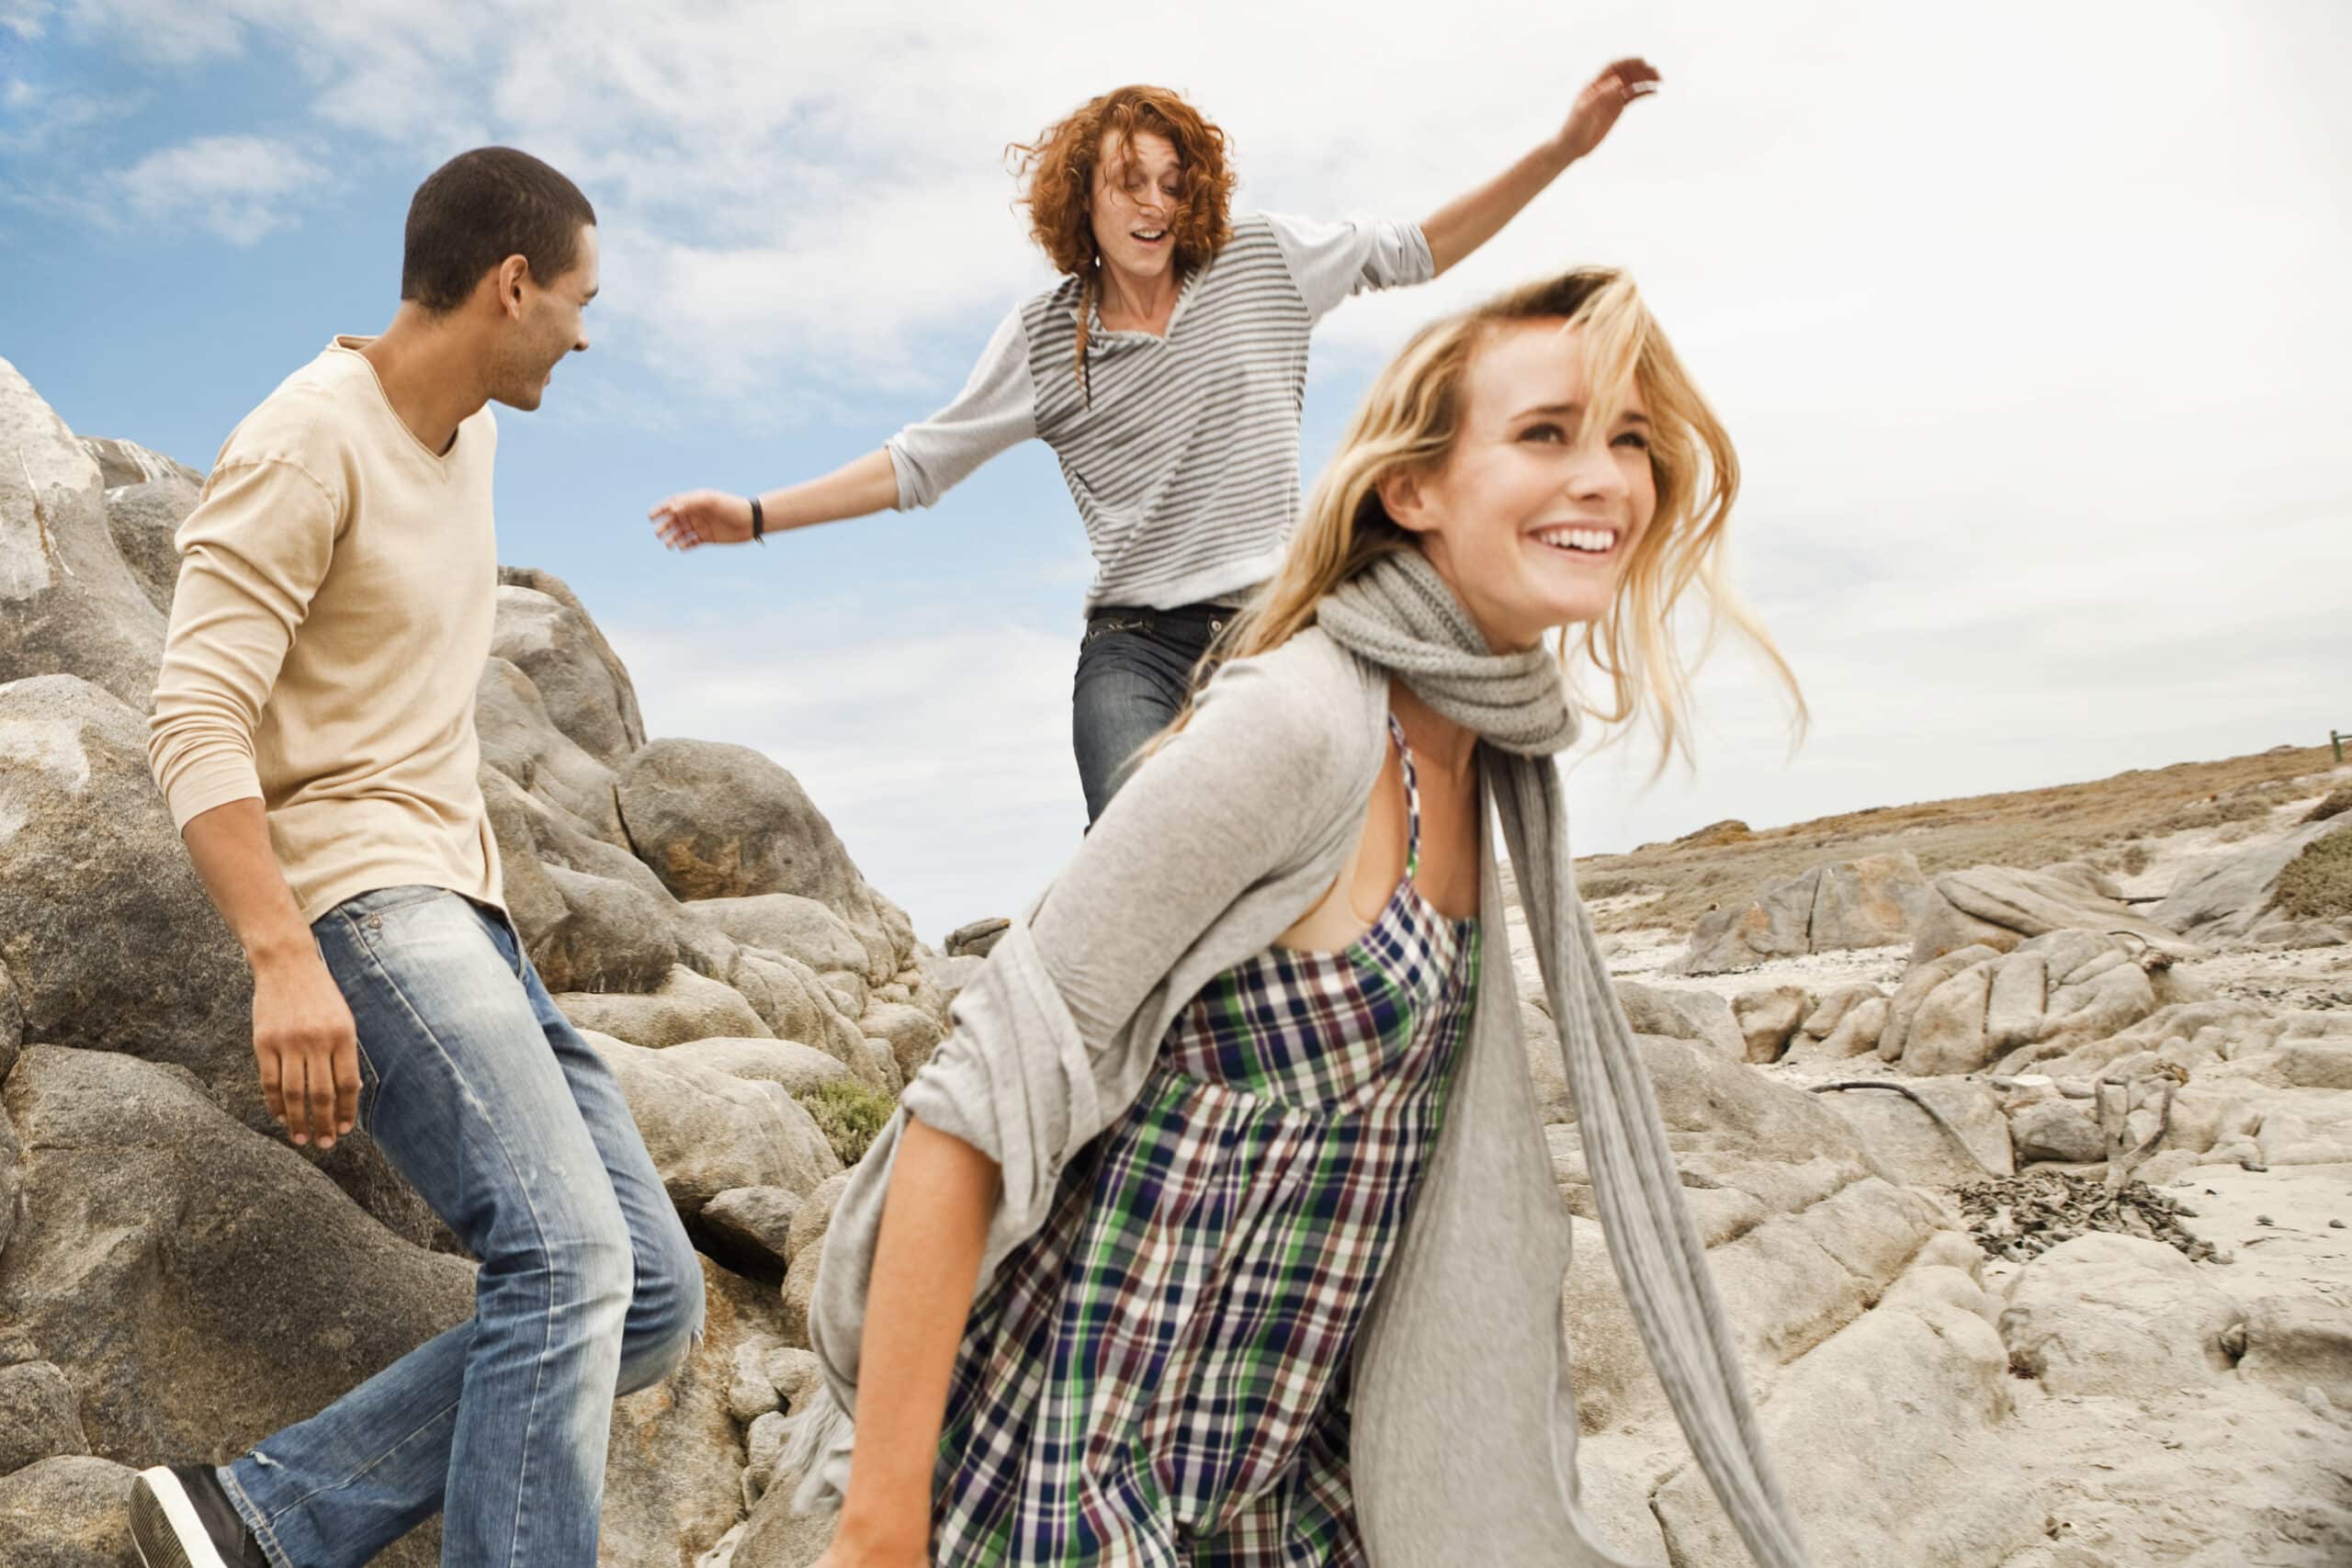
(2018, 1217)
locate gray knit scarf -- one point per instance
(1400, 616)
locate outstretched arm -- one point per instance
(1461, 226)
(997, 408)
(714, 517)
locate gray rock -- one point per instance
(1801, 1237)
(673, 1459)
(912, 1034)
(762, 1446)
(39, 1415)
(752, 1393)
(776, 1537)
(2054, 991)
(519, 740)
(973, 938)
(2057, 1130)
(632, 723)
(708, 1132)
(69, 604)
(1916, 1387)
(787, 923)
(2293, 1341)
(2116, 1315)
(816, 1215)
(1857, 1033)
(71, 1512)
(797, 1373)
(797, 1069)
(2004, 906)
(1682, 1014)
(756, 1219)
(108, 935)
(686, 1007)
(1768, 1017)
(1844, 1021)
(144, 520)
(2226, 897)
(718, 821)
(582, 932)
(1868, 902)
(1904, 1142)
(124, 465)
(1919, 982)
(558, 648)
(12, 1035)
(201, 1286)
(1948, 1032)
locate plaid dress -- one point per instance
(1159, 1376)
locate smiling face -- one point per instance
(1534, 514)
(1137, 184)
(543, 326)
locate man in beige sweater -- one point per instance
(313, 735)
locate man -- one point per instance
(315, 737)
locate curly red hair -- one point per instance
(1059, 168)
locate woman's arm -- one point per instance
(1461, 226)
(926, 1263)
(713, 517)
(997, 408)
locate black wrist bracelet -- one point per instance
(759, 527)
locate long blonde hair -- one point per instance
(1409, 422)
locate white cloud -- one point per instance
(240, 187)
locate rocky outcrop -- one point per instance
(1869, 902)
(2229, 896)
(69, 604)
(708, 1132)
(2000, 906)
(1967, 1009)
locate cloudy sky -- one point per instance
(2030, 322)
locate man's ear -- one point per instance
(512, 274)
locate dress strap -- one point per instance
(1412, 801)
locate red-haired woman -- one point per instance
(1166, 370)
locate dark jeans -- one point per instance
(1135, 672)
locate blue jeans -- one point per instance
(1134, 674)
(514, 1131)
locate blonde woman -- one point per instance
(1167, 371)
(1222, 1229)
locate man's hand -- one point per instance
(1598, 106)
(306, 1047)
(702, 517)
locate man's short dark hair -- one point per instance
(477, 209)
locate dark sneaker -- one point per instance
(181, 1519)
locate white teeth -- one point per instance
(1592, 541)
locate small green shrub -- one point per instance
(2317, 884)
(849, 1114)
(2135, 858)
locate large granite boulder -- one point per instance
(2048, 994)
(1999, 907)
(1868, 902)
(583, 931)
(148, 497)
(104, 927)
(686, 1006)
(586, 693)
(708, 1132)
(1802, 1233)
(200, 1286)
(520, 740)
(72, 1512)
(1678, 1013)
(2116, 1314)
(803, 928)
(720, 821)
(69, 604)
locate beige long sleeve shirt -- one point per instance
(336, 591)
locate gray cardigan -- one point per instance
(1464, 1421)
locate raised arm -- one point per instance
(1461, 226)
(915, 467)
